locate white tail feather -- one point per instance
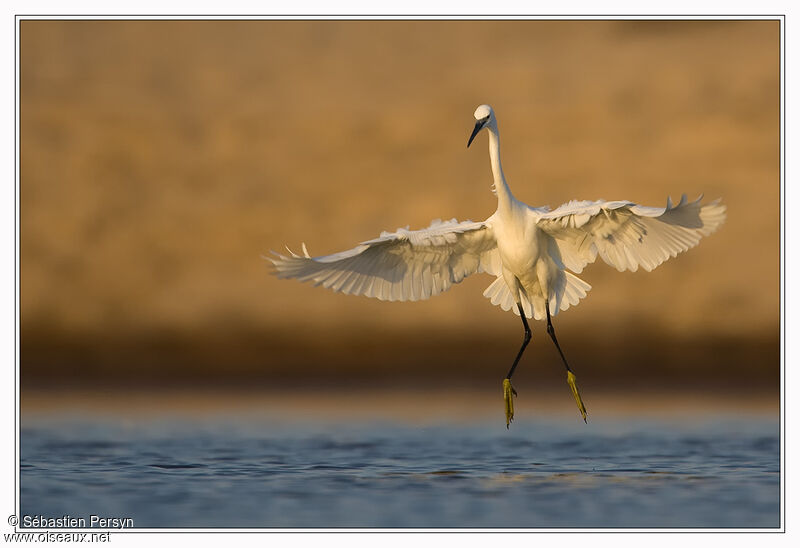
(569, 293)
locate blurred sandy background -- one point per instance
(161, 160)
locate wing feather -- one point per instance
(405, 265)
(626, 235)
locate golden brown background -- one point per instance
(161, 159)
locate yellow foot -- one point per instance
(574, 387)
(508, 397)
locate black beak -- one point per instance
(478, 126)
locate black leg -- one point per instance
(570, 374)
(552, 333)
(508, 390)
(525, 340)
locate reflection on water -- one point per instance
(266, 473)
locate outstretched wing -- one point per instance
(406, 265)
(626, 235)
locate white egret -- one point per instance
(530, 251)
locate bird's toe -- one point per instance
(576, 394)
(508, 398)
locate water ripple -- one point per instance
(184, 474)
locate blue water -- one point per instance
(237, 472)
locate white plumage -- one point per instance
(411, 265)
(406, 265)
(530, 251)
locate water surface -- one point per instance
(270, 472)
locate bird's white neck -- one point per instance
(504, 196)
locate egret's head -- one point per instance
(484, 116)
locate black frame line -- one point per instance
(781, 18)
